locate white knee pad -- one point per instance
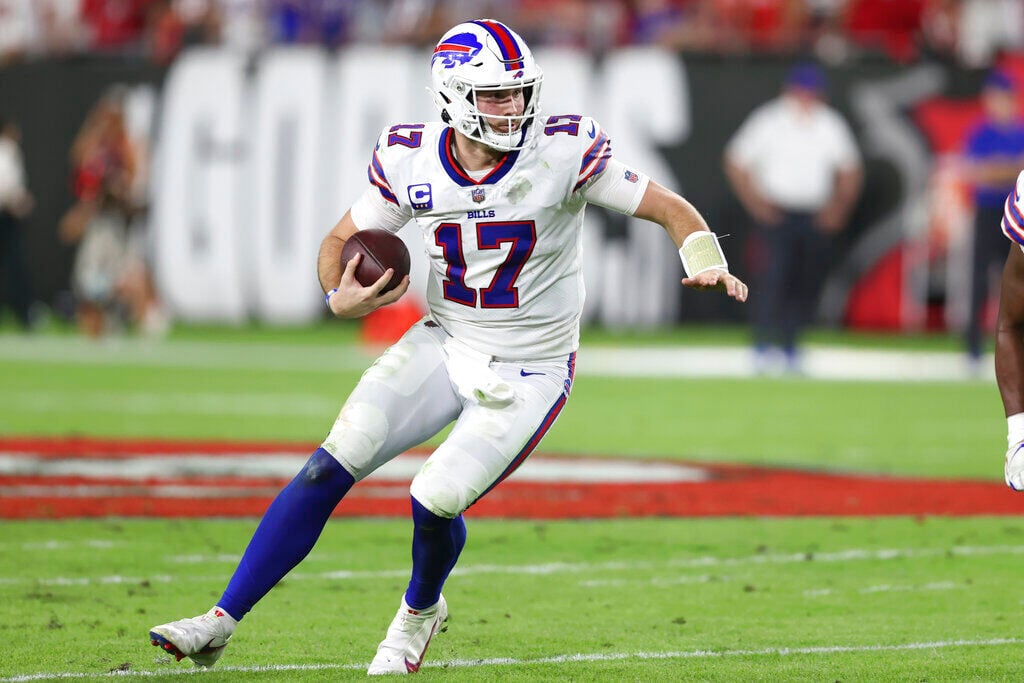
(357, 435)
(440, 491)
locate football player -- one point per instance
(1010, 337)
(498, 192)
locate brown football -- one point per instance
(381, 250)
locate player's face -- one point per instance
(496, 104)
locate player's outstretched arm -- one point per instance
(350, 299)
(1010, 363)
(681, 219)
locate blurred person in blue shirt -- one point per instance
(994, 154)
(323, 22)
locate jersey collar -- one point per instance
(455, 171)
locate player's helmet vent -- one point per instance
(485, 55)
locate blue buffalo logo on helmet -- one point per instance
(458, 49)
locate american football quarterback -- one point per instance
(498, 191)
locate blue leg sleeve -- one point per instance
(436, 544)
(289, 529)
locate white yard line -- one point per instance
(554, 568)
(820, 362)
(554, 659)
(884, 588)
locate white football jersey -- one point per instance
(504, 246)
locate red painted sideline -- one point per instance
(731, 491)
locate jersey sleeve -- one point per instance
(597, 151)
(1013, 212)
(618, 187)
(602, 179)
(378, 206)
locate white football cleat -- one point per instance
(202, 639)
(402, 649)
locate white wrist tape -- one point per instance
(1014, 429)
(700, 252)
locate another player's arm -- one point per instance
(1010, 334)
(1010, 362)
(680, 219)
(1010, 338)
(350, 299)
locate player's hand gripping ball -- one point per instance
(1014, 469)
(381, 250)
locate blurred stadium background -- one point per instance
(247, 126)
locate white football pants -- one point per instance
(425, 381)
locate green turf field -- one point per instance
(897, 599)
(705, 600)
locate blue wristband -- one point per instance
(327, 298)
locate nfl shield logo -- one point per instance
(632, 177)
(478, 194)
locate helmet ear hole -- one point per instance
(445, 116)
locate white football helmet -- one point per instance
(485, 55)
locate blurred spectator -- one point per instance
(988, 26)
(15, 204)
(940, 28)
(759, 25)
(994, 155)
(114, 26)
(172, 25)
(891, 27)
(419, 22)
(110, 280)
(328, 23)
(596, 26)
(796, 169)
(241, 24)
(61, 26)
(19, 31)
(674, 24)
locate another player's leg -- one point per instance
(402, 400)
(487, 444)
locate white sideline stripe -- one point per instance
(556, 659)
(820, 362)
(851, 555)
(285, 465)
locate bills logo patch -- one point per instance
(632, 177)
(478, 194)
(458, 49)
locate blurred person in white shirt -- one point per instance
(19, 30)
(15, 204)
(987, 27)
(795, 167)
